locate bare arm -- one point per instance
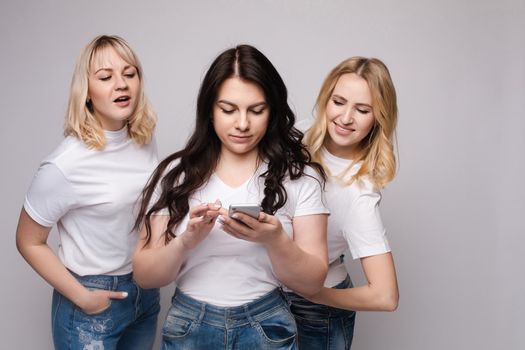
(158, 264)
(300, 263)
(379, 294)
(31, 241)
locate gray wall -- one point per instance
(454, 213)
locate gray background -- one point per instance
(454, 213)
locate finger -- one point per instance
(245, 219)
(198, 210)
(197, 221)
(237, 226)
(117, 295)
(233, 233)
(215, 205)
(266, 218)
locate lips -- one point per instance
(240, 138)
(343, 130)
(122, 101)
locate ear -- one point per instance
(89, 104)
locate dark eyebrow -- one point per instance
(227, 102)
(258, 104)
(262, 103)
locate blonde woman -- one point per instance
(88, 187)
(352, 135)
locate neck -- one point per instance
(348, 152)
(235, 169)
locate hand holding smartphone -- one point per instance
(252, 210)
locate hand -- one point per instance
(266, 229)
(99, 300)
(202, 219)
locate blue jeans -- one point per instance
(265, 323)
(127, 324)
(323, 327)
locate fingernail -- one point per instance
(235, 216)
(125, 294)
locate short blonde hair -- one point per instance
(377, 151)
(80, 120)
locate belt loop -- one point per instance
(115, 283)
(202, 312)
(248, 315)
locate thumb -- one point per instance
(263, 217)
(117, 295)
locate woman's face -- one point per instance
(240, 116)
(113, 87)
(349, 116)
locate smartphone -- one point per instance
(252, 210)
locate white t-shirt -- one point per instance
(226, 271)
(354, 222)
(91, 196)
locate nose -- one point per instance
(348, 116)
(243, 122)
(120, 82)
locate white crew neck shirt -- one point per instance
(91, 196)
(226, 271)
(355, 221)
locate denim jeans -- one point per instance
(265, 323)
(127, 324)
(323, 327)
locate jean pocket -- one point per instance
(278, 328)
(177, 324)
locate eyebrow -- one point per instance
(262, 103)
(358, 103)
(111, 69)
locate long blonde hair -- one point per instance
(80, 120)
(377, 155)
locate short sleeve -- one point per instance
(50, 195)
(364, 230)
(309, 195)
(158, 190)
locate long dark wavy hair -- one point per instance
(280, 147)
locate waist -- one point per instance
(246, 313)
(106, 282)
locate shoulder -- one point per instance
(64, 154)
(309, 177)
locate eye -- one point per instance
(337, 102)
(227, 111)
(258, 111)
(105, 78)
(130, 75)
(363, 111)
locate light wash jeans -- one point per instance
(127, 324)
(265, 323)
(323, 327)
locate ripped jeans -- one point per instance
(127, 324)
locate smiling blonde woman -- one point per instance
(352, 137)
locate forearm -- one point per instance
(362, 298)
(379, 294)
(297, 269)
(155, 267)
(44, 261)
